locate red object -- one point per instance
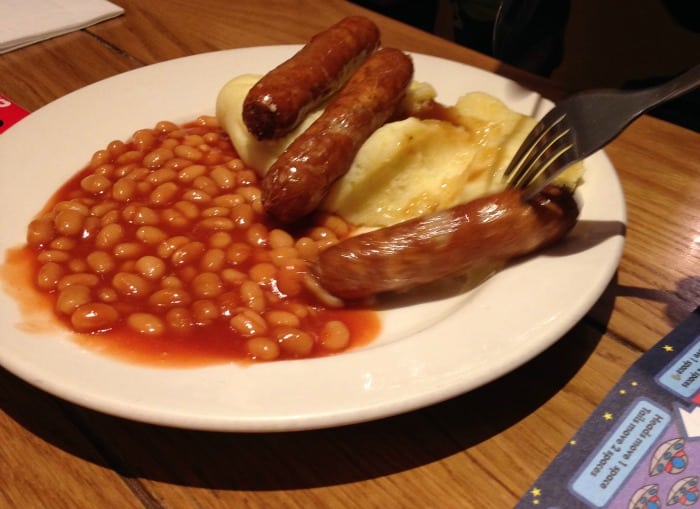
(10, 113)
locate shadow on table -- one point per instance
(282, 461)
(269, 461)
(679, 303)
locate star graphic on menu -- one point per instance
(607, 416)
(668, 348)
(536, 492)
(623, 391)
(572, 441)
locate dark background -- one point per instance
(581, 44)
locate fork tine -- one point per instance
(540, 163)
(547, 150)
(546, 172)
(530, 151)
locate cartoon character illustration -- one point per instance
(645, 497)
(669, 457)
(684, 492)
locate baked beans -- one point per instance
(165, 236)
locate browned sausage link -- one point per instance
(426, 249)
(282, 98)
(297, 182)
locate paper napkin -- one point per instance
(24, 22)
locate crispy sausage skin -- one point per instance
(298, 181)
(425, 249)
(283, 97)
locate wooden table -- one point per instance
(466, 452)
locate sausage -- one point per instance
(281, 99)
(418, 251)
(296, 183)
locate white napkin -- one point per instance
(24, 22)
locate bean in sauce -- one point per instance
(160, 249)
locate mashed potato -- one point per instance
(409, 167)
(412, 167)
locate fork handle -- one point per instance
(676, 87)
(615, 111)
(627, 107)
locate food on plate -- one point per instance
(242, 229)
(278, 102)
(300, 178)
(164, 236)
(490, 229)
(260, 154)
(431, 158)
(426, 163)
(421, 165)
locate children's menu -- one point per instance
(640, 448)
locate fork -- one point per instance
(582, 124)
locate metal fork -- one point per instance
(580, 125)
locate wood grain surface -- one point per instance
(482, 449)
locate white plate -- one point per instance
(427, 352)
